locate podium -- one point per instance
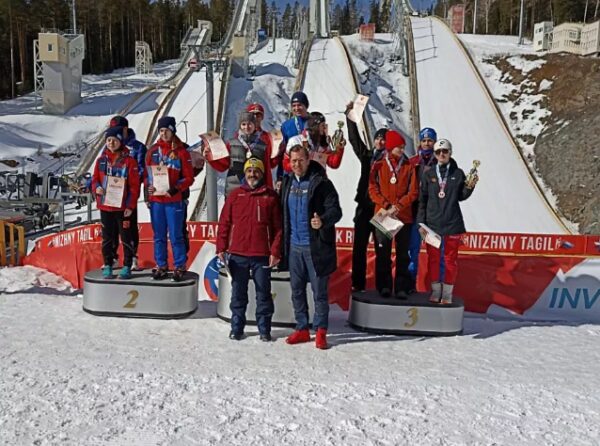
(140, 296)
(282, 298)
(413, 316)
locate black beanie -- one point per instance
(115, 132)
(380, 133)
(300, 97)
(167, 122)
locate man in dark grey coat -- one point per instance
(311, 209)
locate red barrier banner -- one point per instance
(537, 276)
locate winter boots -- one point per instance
(107, 272)
(321, 339)
(441, 294)
(436, 293)
(159, 273)
(447, 294)
(298, 337)
(178, 274)
(125, 273)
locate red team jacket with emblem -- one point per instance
(177, 160)
(250, 223)
(117, 164)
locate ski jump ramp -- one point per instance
(454, 101)
(329, 86)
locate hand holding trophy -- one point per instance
(338, 137)
(473, 177)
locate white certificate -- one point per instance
(432, 237)
(386, 223)
(360, 103)
(160, 179)
(276, 138)
(115, 189)
(196, 154)
(217, 146)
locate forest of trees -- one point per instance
(502, 16)
(111, 27)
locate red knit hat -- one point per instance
(256, 108)
(394, 139)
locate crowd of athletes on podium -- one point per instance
(281, 209)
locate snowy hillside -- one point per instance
(452, 100)
(29, 136)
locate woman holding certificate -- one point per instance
(116, 183)
(169, 173)
(393, 187)
(247, 142)
(440, 218)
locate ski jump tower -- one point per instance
(319, 18)
(245, 37)
(60, 56)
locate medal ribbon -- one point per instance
(442, 181)
(109, 167)
(252, 144)
(398, 167)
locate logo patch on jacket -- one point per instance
(434, 180)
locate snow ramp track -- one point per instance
(329, 86)
(453, 100)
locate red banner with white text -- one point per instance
(545, 277)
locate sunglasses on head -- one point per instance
(444, 151)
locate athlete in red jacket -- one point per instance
(116, 183)
(167, 206)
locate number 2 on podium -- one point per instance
(133, 300)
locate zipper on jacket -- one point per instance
(231, 235)
(258, 209)
(268, 238)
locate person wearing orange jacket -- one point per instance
(167, 207)
(116, 184)
(247, 142)
(393, 187)
(316, 139)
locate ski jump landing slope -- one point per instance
(453, 100)
(329, 87)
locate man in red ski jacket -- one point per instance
(249, 239)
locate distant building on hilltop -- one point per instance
(590, 39)
(542, 36)
(575, 38)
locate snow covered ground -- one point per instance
(70, 377)
(29, 136)
(523, 103)
(453, 101)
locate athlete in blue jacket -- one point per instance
(292, 127)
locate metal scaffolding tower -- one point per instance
(143, 57)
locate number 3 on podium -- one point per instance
(413, 314)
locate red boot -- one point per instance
(298, 337)
(321, 339)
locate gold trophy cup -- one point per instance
(473, 176)
(337, 137)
